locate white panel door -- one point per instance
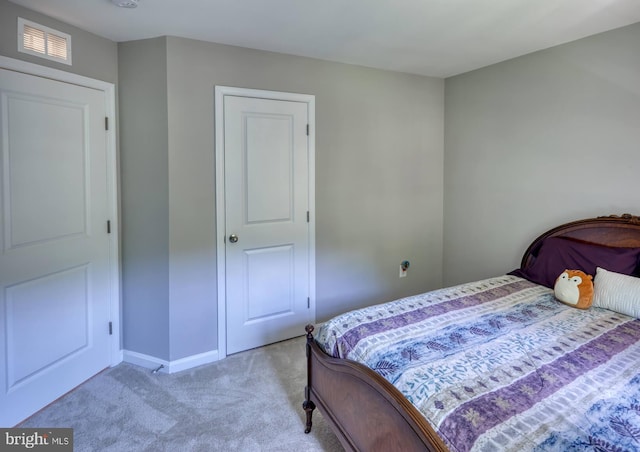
(54, 247)
(267, 198)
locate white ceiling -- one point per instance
(429, 37)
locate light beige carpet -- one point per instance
(250, 401)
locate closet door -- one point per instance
(54, 247)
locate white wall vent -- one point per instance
(45, 42)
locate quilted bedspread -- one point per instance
(499, 364)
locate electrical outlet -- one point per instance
(404, 266)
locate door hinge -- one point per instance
(307, 129)
(108, 226)
(106, 123)
(307, 216)
(110, 328)
(308, 302)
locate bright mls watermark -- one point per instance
(36, 439)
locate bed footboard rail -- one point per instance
(365, 411)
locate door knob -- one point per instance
(233, 238)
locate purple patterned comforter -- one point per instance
(499, 364)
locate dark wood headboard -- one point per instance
(614, 230)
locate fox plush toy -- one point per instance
(574, 288)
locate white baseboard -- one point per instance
(192, 361)
(147, 361)
(169, 367)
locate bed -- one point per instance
(497, 364)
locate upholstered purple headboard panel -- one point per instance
(613, 231)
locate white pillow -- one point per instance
(617, 292)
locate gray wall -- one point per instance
(532, 142)
(145, 196)
(92, 56)
(379, 144)
(379, 166)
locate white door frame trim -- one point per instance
(310, 100)
(116, 354)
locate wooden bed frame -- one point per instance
(367, 413)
